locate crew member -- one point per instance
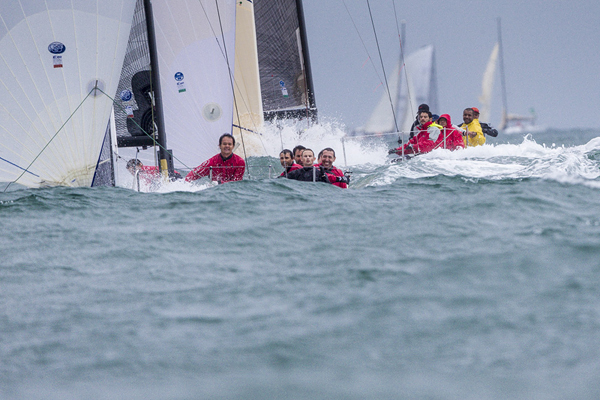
(298, 154)
(147, 173)
(286, 159)
(473, 135)
(424, 142)
(486, 128)
(223, 167)
(450, 138)
(326, 159)
(414, 127)
(313, 173)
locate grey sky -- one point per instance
(551, 55)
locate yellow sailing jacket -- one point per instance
(474, 126)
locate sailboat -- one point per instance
(409, 85)
(212, 70)
(59, 66)
(512, 123)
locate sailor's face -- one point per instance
(285, 159)
(226, 146)
(468, 116)
(298, 157)
(443, 122)
(308, 158)
(327, 159)
(423, 118)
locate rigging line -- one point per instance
(224, 53)
(363, 42)
(142, 129)
(50, 141)
(382, 66)
(402, 58)
(231, 80)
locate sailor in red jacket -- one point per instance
(224, 167)
(146, 173)
(326, 159)
(286, 158)
(422, 142)
(450, 138)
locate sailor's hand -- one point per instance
(393, 151)
(343, 179)
(472, 134)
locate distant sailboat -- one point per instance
(59, 64)
(410, 86)
(513, 123)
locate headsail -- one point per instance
(487, 85)
(57, 61)
(283, 59)
(196, 42)
(248, 111)
(421, 87)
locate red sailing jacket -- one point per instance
(419, 143)
(454, 139)
(223, 170)
(291, 168)
(332, 174)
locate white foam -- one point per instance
(504, 161)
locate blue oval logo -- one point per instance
(57, 48)
(179, 76)
(126, 95)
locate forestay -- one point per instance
(57, 59)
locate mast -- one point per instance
(311, 106)
(166, 160)
(502, 78)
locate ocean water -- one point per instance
(465, 275)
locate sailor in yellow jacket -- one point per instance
(474, 134)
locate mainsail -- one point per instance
(283, 59)
(410, 86)
(58, 62)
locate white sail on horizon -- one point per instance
(487, 85)
(406, 96)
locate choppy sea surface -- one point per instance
(465, 275)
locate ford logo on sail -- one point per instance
(56, 48)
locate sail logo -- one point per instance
(56, 48)
(180, 82)
(126, 95)
(284, 90)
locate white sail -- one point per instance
(57, 61)
(382, 119)
(406, 96)
(248, 111)
(487, 85)
(195, 41)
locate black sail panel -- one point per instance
(285, 78)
